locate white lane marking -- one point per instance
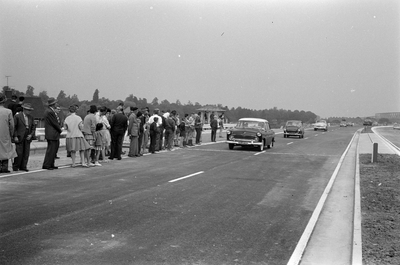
(306, 138)
(256, 154)
(316, 134)
(188, 176)
(289, 143)
(305, 237)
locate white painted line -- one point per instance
(305, 237)
(289, 143)
(316, 135)
(188, 176)
(306, 138)
(256, 154)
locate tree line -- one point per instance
(277, 117)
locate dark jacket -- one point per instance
(52, 128)
(119, 123)
(214, 124)
(22, 130)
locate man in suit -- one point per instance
(24, 131)
(52, 131)
(133, 132)
(119, 124)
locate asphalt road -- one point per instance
(390, 134)
(202, 205)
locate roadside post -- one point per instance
(375, 153)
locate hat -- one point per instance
(52, 101)
(3, 98)
(27, 106)
(134, 108)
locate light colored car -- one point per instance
(343, 124)
(321, 125)
(293, 128)
(251, 132)
(396, 126)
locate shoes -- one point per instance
(48, 168)
(131, 155)
(97, 164)
(119, 158)
(91, 165)
(15, 169)
(25, 169)
(85, 165)
(54, 167)
(5, 171)
(110, 158)
(57, 157)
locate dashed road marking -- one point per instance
(289, 143)
(188, 176)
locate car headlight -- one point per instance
(230, 138)
(228, 132)
(258, 134)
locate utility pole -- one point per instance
(7, 76)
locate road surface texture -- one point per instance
(201, 205)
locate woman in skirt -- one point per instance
(75, 142)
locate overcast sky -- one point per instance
(334, 58)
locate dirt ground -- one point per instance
(380, 206)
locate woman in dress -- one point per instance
(106, 129)
(74, 139)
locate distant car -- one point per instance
(251, 132)
(343, 124)
(293, 128)
(396, 126)
(321, 125)
(367, 122)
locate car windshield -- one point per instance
(321, 121)
(293, 123)
(250, 124)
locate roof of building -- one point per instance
(211, 108)
(37, 104)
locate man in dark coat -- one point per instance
(13, 105)
(119, 125)
(24, 131)
(52, 131)
(214, 128)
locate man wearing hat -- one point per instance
(24, 131)
(13, 105)
(52, 131)
(6, 132)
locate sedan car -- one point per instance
(251, 132)
(293, 128)
(321, 125)
(396, 126)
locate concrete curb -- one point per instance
(356, 258)
(297, 255)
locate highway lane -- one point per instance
(226, 206)
(390, 134)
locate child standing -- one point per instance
(99, 142)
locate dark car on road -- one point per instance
(251, 132)
(293, 128)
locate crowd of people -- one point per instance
(98, 137)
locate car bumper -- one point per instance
(244, 142)
(292, 133)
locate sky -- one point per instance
(336, 58)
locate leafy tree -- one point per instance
(43, 95)
(29, 91)
(61, 95)
(96, 96)
(155, 102)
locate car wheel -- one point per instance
(284, 136)
(315, 129)
(231, 146)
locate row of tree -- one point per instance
(274, 115)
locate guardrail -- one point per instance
(40, 133)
